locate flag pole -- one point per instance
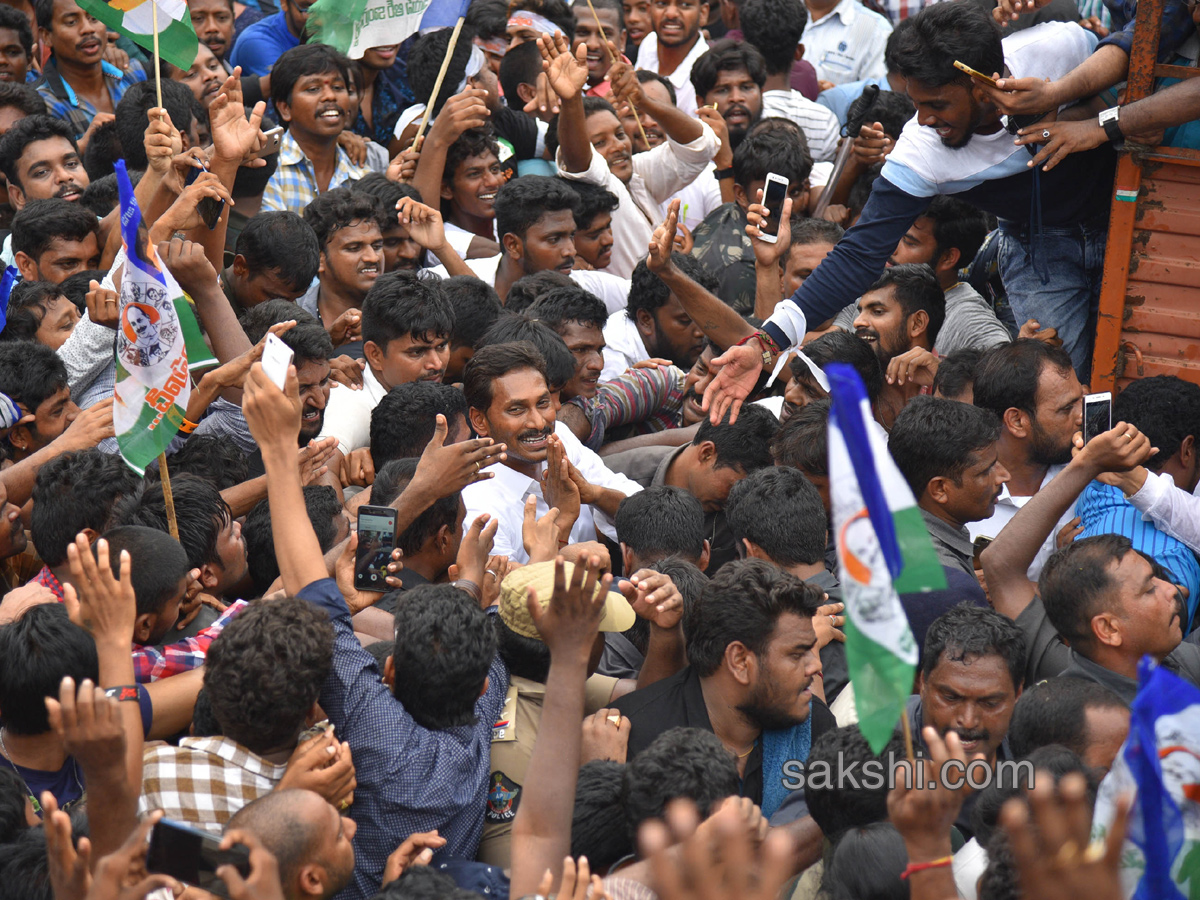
(437, 85)
(158, 94)
(168, 498)
(908, 740)
(612, 61)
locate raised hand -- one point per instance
(570, 622)
(766, 253)
(162, 141)
(96, 600)
(424, 223)
(559, 489)
(89, 726)
(1060, 140)
(472, 560)
(662, 242)
(566, 72)
(924, 807)
(344, 570)
(1050, 841)
(539, 536)
(460, 113)
(122, 874)
(1117, 450)
(184, 214)
(313, 459)
(69, 868)
(346, 328)
(445, 469)
(236, 138)
(827, 621)
(272, 415)
(90, 427)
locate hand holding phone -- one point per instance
(1097, 414)
(193, 856)
(978, 76)
(276, 358)
(376, 541)
(775, 191)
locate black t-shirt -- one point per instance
(678, 702)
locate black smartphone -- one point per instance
(209, 208)
(1097, 414)
(376, 541)
(774, 193)
(193, 856)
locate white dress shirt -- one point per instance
(623, 346)
(348, 413)
(847, 43)
(503, 497)
(1172, 509)
(658, 175)
(681, 78)
(611, 289)
(1008, 506)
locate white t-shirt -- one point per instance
(623, 346)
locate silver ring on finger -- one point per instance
(1046, 134)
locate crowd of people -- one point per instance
(542, 323)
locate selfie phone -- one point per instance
(1097, 414)
(193, 856)
(978, 76)
(274, 139)
(376, 540)
(774, 193)
(314, 730)
(276, 358)
(209, 209)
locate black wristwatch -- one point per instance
(1108, 121)
(722, 174)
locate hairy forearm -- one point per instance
(296, 546)
(573, 138)
(675, 123)
(768, 290)
(1106, 67)
(665, 655)
(244, 496)
(716, 319)
(1172, 106)
(541, 834)
(1007, 559)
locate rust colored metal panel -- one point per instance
(1106, 360)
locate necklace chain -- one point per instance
(37, 806)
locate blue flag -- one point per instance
(443, 13)
(1160, 762)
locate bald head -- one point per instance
(292, 825)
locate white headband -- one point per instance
(475, 63)
(524, 18)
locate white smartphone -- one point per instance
(274, 139)
(775, 191)
(1097, 414)
(276, 358)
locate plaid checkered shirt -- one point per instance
(151, 664)
(63, 103)
(294, 184)
(204, 781)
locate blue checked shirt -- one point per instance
(410, 779)
(1104, 510)
(63, 103)
(1177, 26)
(294, 184)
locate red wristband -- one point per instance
(914, 868)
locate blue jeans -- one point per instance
(1060, 284)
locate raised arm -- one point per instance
(1007, 559)
(716, 318)
(460, 112)
(274, 420)
(675, 123)
(567, 74)
(541, 834)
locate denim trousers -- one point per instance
(1054, 276)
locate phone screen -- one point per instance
(193, 856)
(1097, 415)
(376, 540)
(774, 194)
(209, 208)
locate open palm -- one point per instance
(566, 73)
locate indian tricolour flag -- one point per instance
(177, 42)
(354, 26)
(156, 331)
(883, 549)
